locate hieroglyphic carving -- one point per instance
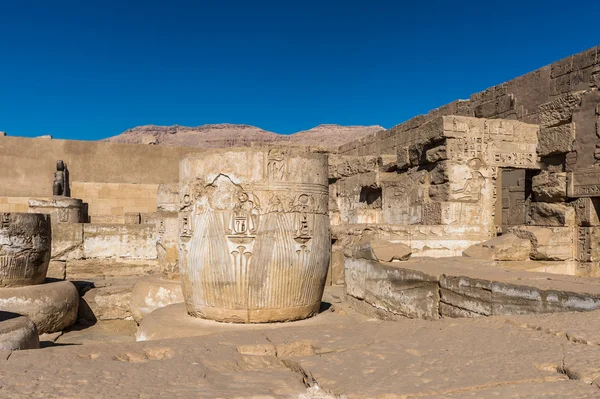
(584, 250)
(584, 183)
(253, 241)
(276, 164)
(4, 220)
(465, 148)
(514, 159)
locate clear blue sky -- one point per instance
(90, 69)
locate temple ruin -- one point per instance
(481, 217)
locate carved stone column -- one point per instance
(254, 241)
(24, 248)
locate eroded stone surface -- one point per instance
(504, 248)
(254, 234)
(152, 293)
(17, 332)
(24, 248)
(51, 306)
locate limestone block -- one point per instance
(152, 293)
(254, 234)
(119, 241)
(388, 163)
(25, 242)
(344, 166)
(67, 241)
(355, 277)
(550, 187)
(109, 303)
(132, 218)
(57, 269)
(556, 140)
(545, 214)
(52, 306)
(560, 110)
(383, 251)
(403, 160)
(586, 211)
(548, 243)
(82, 269)
(337, 267)
(505, 247)
(462, 296)
(61, 209)
(167, 197)
(402, 292)
(167, 228)
(17, 332)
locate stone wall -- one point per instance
(113, 179)
(518, 99)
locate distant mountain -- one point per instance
(231, 135)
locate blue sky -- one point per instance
(88, 70)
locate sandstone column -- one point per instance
(254, 234)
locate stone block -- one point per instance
(51, 306)
(17, 332)
(343, 166)
(383, 251)
(548, 243)
(462, 296)
(337, 267)
(67, 241)
(132, 218)
(403, 160)
(586, 211)
(109, 303)
(550, 187)
(152, 293)
(545, 214)
(556, 140)
(402, 292)
(560, 110)
(57, 269)
(119, 241)
(82, 269)
(507, 247)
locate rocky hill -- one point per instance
(231, 135)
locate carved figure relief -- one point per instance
(471, 191)
(5, 220)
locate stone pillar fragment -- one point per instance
(254, 234)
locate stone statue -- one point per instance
(60, 187)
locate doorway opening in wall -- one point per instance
(513, 194)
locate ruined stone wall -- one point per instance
(517, 99)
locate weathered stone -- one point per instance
(109, 303)
(556, 140)
(550, 187)
(119, 241)
(97, 268)
(548, 243)
(61, 209)
(559, 110)
(505, 247)
(152, 293)
(167, 198)
(337, 267)
(394, 291)
(17, 332)
(344, 166)
(24, 248)
(544, 214)
(57, 269)
(586, 211)
(67, 241)
(264, 213)
(52, 306)
(383, 251)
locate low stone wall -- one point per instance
(460, 287)
(88, 250)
